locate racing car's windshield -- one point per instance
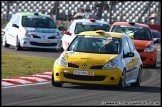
(138, 33)
(93, 44)
(38, 22)
(80, 27)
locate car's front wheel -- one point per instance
(122, 82)
(18, 47)
(56, 84)
(138, 82)
(4, 43)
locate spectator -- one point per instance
(87, 13)
(43, 11)
(54, 11)
(153, 15)
(79, 14)
(99, 8)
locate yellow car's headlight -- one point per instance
(62, 62)
(111, 64)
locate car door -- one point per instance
(135, 60)
(8, 29)
(128, 61)
(14, 30)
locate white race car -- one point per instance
(32, 30)
(81, 25)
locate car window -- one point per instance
(80, 27)
(156, 34)
(38, 22)
(95, 45)
(17, 20)
(13, 18)
(131, 44)
(139, 33)
(126, 46)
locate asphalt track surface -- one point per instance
(149, 93)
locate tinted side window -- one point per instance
(13, 18)
(17, 20)
(131, 44)
(126, 46)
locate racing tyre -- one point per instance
(138, 82)
(154, 65)
(4, 43)
(56, 84)
(122, 82)
(18, 47)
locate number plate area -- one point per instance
(78, 72)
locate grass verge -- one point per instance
(3, 23)
(14, 65)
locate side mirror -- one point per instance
(15, 25)
(157, 41)
(67, 33)
(129, 54)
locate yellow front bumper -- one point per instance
(103, 77)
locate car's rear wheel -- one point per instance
(4, 43)
(122, 82)
(18, 47)
(56, 84)
(138, 82)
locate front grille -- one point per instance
(43, 44)
(36, 36)
(73, 65)
(143, 59)
(141, 50)
(52, 37)
(96, 67)
(84, 78)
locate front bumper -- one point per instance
(149, 58)
(35, 43)
(102, 77)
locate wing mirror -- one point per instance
(129, 54)
(67, 33)
(15, 25)
(157, 41)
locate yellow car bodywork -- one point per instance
(90, 59)
(94, 76)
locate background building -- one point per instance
(137, 11)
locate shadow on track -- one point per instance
(40, 50)
(149, 89)
(147, 67)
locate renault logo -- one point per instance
(84, 66)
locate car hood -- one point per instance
(88, 58)
(43, 30)
(142, 44)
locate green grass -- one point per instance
(3, 23)
(15, 65)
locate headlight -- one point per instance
(58, 37)
(150, 48)
(28, 34)
(111, 64)
(25, 32)
(61, 61)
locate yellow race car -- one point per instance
(98, 57)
